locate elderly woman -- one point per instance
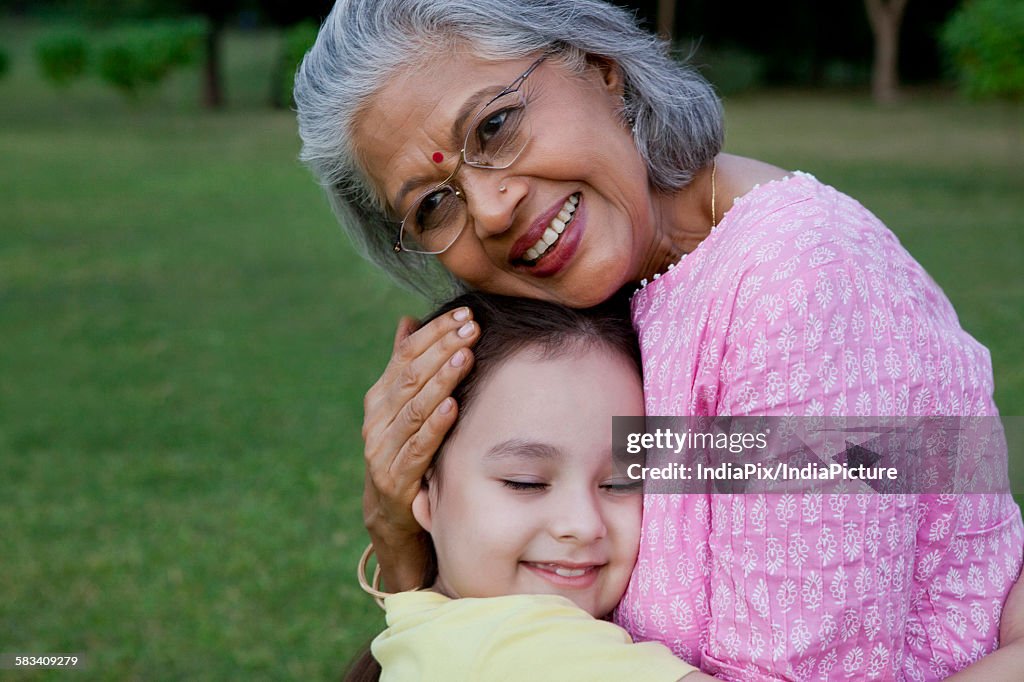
(553, 150)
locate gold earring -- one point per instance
(372, 589)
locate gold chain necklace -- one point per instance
(714, 213)
(714, 218)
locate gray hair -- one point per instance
(677, 117)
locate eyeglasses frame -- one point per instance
(510, 89)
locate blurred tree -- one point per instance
(799, 42)
(62, 57)
(985, 43)
(290, 12)
(806, 42)
(886, 16)
(138, 56)
(296, 42)
(667, 19)
(216, 13)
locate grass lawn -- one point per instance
(185, 338)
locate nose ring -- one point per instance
(503, 189)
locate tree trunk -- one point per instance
(213, 88)
(885, 17)
(667, 19)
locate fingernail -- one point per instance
(446, 406)
(466, 330)
(459, 359)
(461, 315)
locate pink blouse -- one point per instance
(801, 302)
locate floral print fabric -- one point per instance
(802, 303)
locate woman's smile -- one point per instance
(551, 242)
(545, 231)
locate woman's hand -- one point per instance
(406, 416)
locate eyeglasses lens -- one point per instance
(434, 221)
(499, 133)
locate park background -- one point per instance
(186, 335)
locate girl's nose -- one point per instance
(578, 518)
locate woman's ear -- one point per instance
(421, 506)
(611, 74)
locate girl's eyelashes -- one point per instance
(624, 486)
(523, 485)
(620, 486)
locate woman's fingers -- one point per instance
(412, 460)
(408, 412)
(417, 357)
(406, 326)
(431, 395)
(399, 453)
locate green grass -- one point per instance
(185, 338)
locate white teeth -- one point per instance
(562, 570)
(570, 572)
(554, 229)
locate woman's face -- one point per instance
(526, 499)
(578, 149)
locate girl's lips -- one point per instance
(575, 579)
(558, 256)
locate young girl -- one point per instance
(535, 532)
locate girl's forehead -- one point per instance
(568, 399)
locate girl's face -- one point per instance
(526, 499)
(577, 149)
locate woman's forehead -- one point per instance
(412, 115)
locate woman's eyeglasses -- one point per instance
(495, 138)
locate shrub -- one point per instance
(731, 70)
(5, 62)
(140, 56)
(62, 57)
(844, 74)
(296, 42)
(984, 40)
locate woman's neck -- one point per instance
(682, 220)
(685, 218)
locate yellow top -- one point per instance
(519, 637)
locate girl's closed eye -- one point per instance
(623, 486)
(524, 486)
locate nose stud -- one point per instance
(503, 189)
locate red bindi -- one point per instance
(438, 157)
